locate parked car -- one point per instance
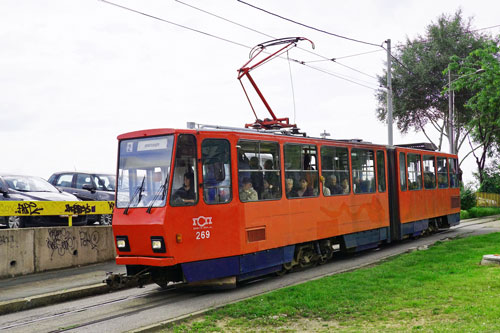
(31, 188)
(88, 187)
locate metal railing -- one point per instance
(67, 209)
(487, 199)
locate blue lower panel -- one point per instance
(211, 269)
(245, 266)
(414, 228)
(454, 219)
(365, 239)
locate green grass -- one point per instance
(443, 289)
(479, 212)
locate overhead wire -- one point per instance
(176, 24)
(270, 36)
(308, 26)
(222, 39)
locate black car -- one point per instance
(88, 187)
(30, 188)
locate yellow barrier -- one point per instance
(488, 199)
(68, 209)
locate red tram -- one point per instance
(211, 203)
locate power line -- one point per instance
(338, 76)
(494, 26)
(223, 39)
(270, 36)
(308, 26)
(176, 24)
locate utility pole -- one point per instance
(389, 93)
(450, 113)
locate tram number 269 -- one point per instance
(203, 234)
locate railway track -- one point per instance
(136, 308)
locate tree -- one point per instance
(480, 72)
(418, 80)
(491, 179)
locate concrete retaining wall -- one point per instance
(30, 250)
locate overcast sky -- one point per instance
(74, 74)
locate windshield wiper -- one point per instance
(163, 190)
(138, 191)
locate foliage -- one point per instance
(441, 289)
(480, 72)
(491, 179)
(467, 197)
(482, 212)
(418, 80)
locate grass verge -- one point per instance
(479, 212)
(442, 289)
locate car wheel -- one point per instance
(105, 219)
(15, 222)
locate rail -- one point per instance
(67, 209)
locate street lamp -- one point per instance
(451, 99)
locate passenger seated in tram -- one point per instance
(247, 193)
(345, 186)
(290, 191)
(268, 191)
(185, 194)
(304, 190)
(331, 183)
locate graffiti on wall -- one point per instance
(88, 238)
(60, 241)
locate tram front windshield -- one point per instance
(143, 171)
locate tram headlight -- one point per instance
(158, 244)
(122, 243)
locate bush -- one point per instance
(467, 197)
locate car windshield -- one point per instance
(143, 171)
(29, 184)
(106, 182)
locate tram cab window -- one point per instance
(184, 185)
(363, 171)
(442, 172)
(429, 172)
(402, 171)
(414, 172)
(143, 171)
(301, 171)
(258, 170)
(381, 171)
(216, 166)
(454, 173)
(335, 170)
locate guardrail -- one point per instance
(67, 209)
(488, 199)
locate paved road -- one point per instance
(138, 308)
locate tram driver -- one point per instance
(185, 195)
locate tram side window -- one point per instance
(402, 171)
(429, 172)
(215, 159)
(454, 173)
(442, 172)
(381, 170)
(301, 171)
(414, 172)
(335, 170)
(184, 185)
(363, 171)
(258, 170)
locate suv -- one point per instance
(88, 187)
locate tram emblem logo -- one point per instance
(202, 222)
